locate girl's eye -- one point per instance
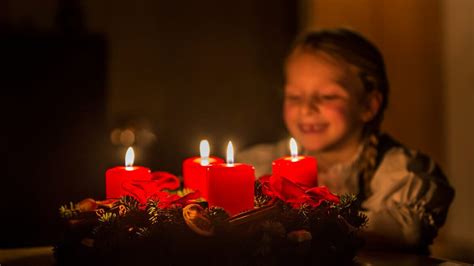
(329, 97)
(293, 98)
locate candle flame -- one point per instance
(204, 150)
(129, 158)
(293, 150)
(230, 154)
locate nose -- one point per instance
(310, 106)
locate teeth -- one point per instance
(312, 128)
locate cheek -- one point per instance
(290, 114)
(338, 114)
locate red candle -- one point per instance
(114, 177)
(195, 169)
(231, 185)
(302, 170)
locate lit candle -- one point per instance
(195, 169)
(301, 170)
(231, 185)
(114, 177)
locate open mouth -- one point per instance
(312, 128)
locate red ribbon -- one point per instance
(142, 189)
(166, 200)
(293, 194)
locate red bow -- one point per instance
(142, 189)
(166, 200)
(293, 194)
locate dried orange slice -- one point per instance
(87, 205)
(194, 218)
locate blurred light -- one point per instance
(115, 136)
(127, 137)
(145, 137)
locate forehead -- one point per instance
(315, 69)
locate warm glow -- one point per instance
(293, 150)
(129, 158)
(230, 154)
(204, 150)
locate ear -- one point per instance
(372, 106)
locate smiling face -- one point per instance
(323, 105)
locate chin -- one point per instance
(313, 145)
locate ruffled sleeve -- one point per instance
(409, 200)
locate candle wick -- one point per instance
(230, 160)
(294, 158)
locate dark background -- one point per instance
(211, 71)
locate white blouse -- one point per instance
(409, 196)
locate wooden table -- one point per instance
(366, 258)
(43, 256)
(35, 256)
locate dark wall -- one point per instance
(207, 69)
(212, 71)
(53, 95)
(219, 76)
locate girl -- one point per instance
(335, 94)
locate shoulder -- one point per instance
(410, 190)
(408, 177)
(398, 161)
